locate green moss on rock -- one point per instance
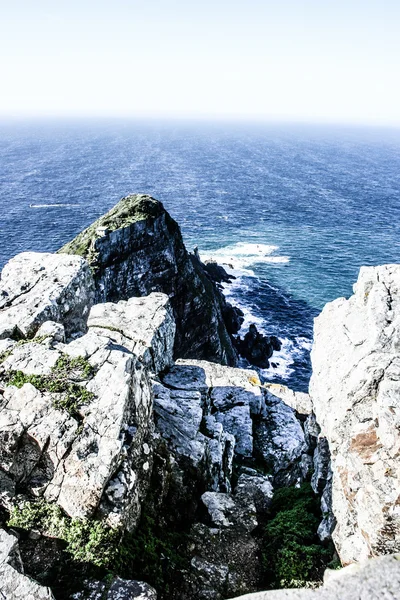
(70, 395)
(129, 210)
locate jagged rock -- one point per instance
(38, 287)
(136, 249)
(252, 496)
(96, 458)
(233, 318)
(257, 348)
(14, 585)
(230, 395)
(178, 417)
(279, 440)
(253, 487)
(119, 589)
(377, 579)
(224, 562)
(145, 326)
(299, 401)
(52, 330)
(216, 272)
(355, 391)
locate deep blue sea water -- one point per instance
(294, 211)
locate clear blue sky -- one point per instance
(311, 60)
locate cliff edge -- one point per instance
(137, 248)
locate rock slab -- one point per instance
(355, 389)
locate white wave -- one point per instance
(58, 205)
(236, 257)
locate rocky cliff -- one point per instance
(136, 249)
(119, 462)
(356, 396)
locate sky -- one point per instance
(275, 60)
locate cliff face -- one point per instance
(355, 388)
(136, 249)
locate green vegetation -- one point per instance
(150, 553)
(291, 551)
(129, 210)
(153, 553)
(59, 381)
(86, 541)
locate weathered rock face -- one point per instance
(145, 326)
(377, 579)
(136, 249)
(118, 589)
(14, 585)
(211, 417)
(76, 419)
(38, 287)
(257, 348)
(356, 395)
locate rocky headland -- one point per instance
(138, 461)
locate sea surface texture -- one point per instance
(292, 211)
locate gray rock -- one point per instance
(145, 326)
(14, 585)
(51, 329)
(377, 579)
(136, 249)
(179, 417)
(280, 441)
(299, 401)
(98, 459)
(355, 390)
(119, 589)
(38, 287)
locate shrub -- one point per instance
(291, 551)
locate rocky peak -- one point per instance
(137, 248)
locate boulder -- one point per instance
(377, 579)
(279, 440)
(118, 589)
(136, 249)
(145, 326)
(257, 348)
(355, 391)
(38, 287)
(14, 585)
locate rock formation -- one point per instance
(377, 579)
(136, 249)
(104, 433)
(355, 391)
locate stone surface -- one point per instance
(356, 396)
(119, 589)
(145, 326)
(38, 287)
(14, 585)
(377, 579)
(279, 440)
(136, 249)
(257, 348)
(97, 459)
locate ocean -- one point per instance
(292, 211)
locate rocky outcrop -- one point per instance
(136, 249)
(14, 585)
(76, 419)
(257, 348)
(377, 579)
(39, 287)
(355, 391)
(145, 326)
